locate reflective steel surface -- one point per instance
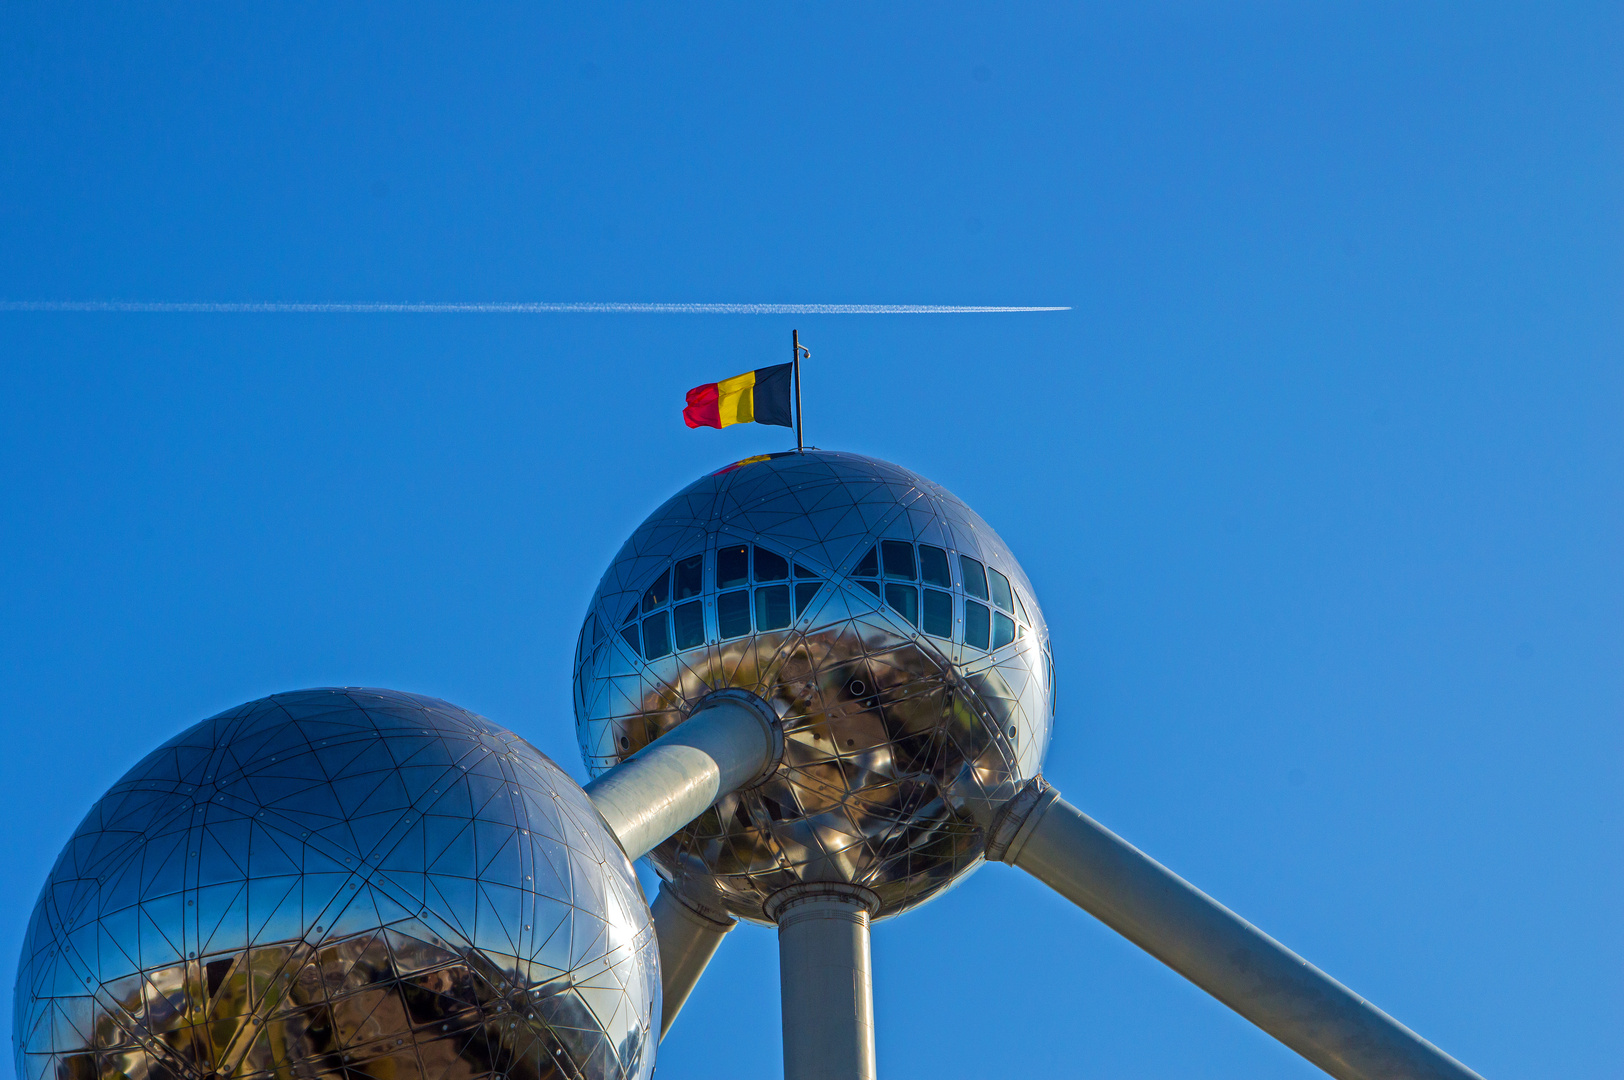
(885, 622)
(340, 883)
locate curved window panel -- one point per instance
(689, 620)
(770, 567)
(868, 565)
(629, 634)
(938, 612)
(690, 577)
(656, 636)
(1001, 594)
(871, 586)
(658, 593)
(801, 571)
(804, 592)
(1021, 609)
(732, 566)
(975, 579)
(772, 607)
(631, 616)
(1003, 629)
(899, 559)
(977, 630)
(933, 566)
(904, 600)
(733, 614)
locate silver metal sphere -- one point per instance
(339, 883)
(887, 625)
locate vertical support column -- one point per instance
(826, 980)
(688, 939)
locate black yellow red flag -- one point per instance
(760, 396)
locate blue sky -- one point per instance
(1318, 482)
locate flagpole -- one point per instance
(795, 341)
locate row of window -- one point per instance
(663, 630)
(670, 615)
(983, 628)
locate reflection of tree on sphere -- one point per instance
(338, 883)
(889, 627)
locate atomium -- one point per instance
(889, 628)
(340, 883)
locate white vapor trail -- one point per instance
(277, 307)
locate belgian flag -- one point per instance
(760, 396)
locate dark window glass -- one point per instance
(658, 593)
(904, 600)
(629, 632)
(587, 628)
(1003, 629)
(732, 566)
(656, 635)
(733, 614)
(975, 580)
(772, 607)
(977, 632)
(690, 624)
(630, 616)
(801, 571)
(899, 559)
(933, 566)
(868, 565)
(804, 592)
(871, 586)
(938, 613)
(1000, 590)
(770, 567)
(1021, 609)
(690, 577)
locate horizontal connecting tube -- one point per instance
(688, 939)
(730, 740)
(1216, 949)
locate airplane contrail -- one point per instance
(496, 308)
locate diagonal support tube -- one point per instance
(826, 980)
(731, 739)
(1210, 945)
(688, 939)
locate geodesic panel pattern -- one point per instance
(889, 627)
(339, 883)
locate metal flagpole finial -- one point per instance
(799, 351)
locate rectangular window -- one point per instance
(1000, 591)
(975, 579)
(733, 614)
(690, 577)
(770, 567)
(690, 624)
(658, 593)
(804, 592)
(1003, 629)
(772, 607)
(933, 566)
(904, 600)
(732, 566)
(977, 632)
(899, 559)
(656, 636)
(938, 613)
